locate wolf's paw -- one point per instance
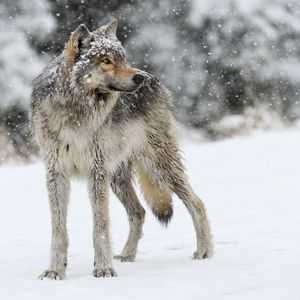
(205, 253)
(127, 258)
(198, 255)
(51, 275)
(105, 272)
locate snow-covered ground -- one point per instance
(251, 187)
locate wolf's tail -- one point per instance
(158, 197)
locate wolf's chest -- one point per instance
(77, 148)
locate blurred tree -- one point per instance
(22, 24)
(251, 54)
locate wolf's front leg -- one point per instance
(98, 184)
(58, 191)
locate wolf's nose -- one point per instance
(138, 78)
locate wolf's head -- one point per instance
(98, 61)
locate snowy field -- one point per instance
(251, 187)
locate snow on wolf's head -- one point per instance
(98, 61)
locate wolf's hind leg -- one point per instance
(181, 187)
(121, 185)
(58, 191)
(196, 209)
(165, 161)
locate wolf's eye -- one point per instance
(106, 61)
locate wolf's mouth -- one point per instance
(115, 89)
(123, 89)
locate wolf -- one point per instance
(96, 117)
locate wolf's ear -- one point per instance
(109, 28)
(80, 39)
